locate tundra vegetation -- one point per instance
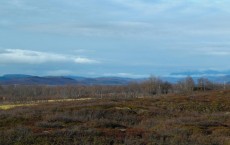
(153, 112)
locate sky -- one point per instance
(125, 38)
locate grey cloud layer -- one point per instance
(164, 18)
(132, 37)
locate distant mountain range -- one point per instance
(212, 75)
(21, 79)
(62, 80)
(202, 73)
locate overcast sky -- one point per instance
(128, 38)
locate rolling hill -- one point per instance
(21, 79)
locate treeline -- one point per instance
(150, 87)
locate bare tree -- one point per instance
(204, 84)
(186, 85)
(166, 87)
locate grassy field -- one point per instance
(202, 118)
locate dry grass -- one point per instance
(32, 103)
(11, 106)
(197, 119)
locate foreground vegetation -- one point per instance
(200, 118)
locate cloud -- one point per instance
(145, 6)
(164, 19)
(20, 56)
(218, 53)
(106, 28)
(125, 75)
(159, 29)
(82, 60)
(187, 6)
(119, 28)
(214, 50)
(123, 33)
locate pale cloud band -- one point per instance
(21, 56)
(129, 75)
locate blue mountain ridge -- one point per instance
(21, 79)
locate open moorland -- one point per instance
(114, 72)
(202, 118)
